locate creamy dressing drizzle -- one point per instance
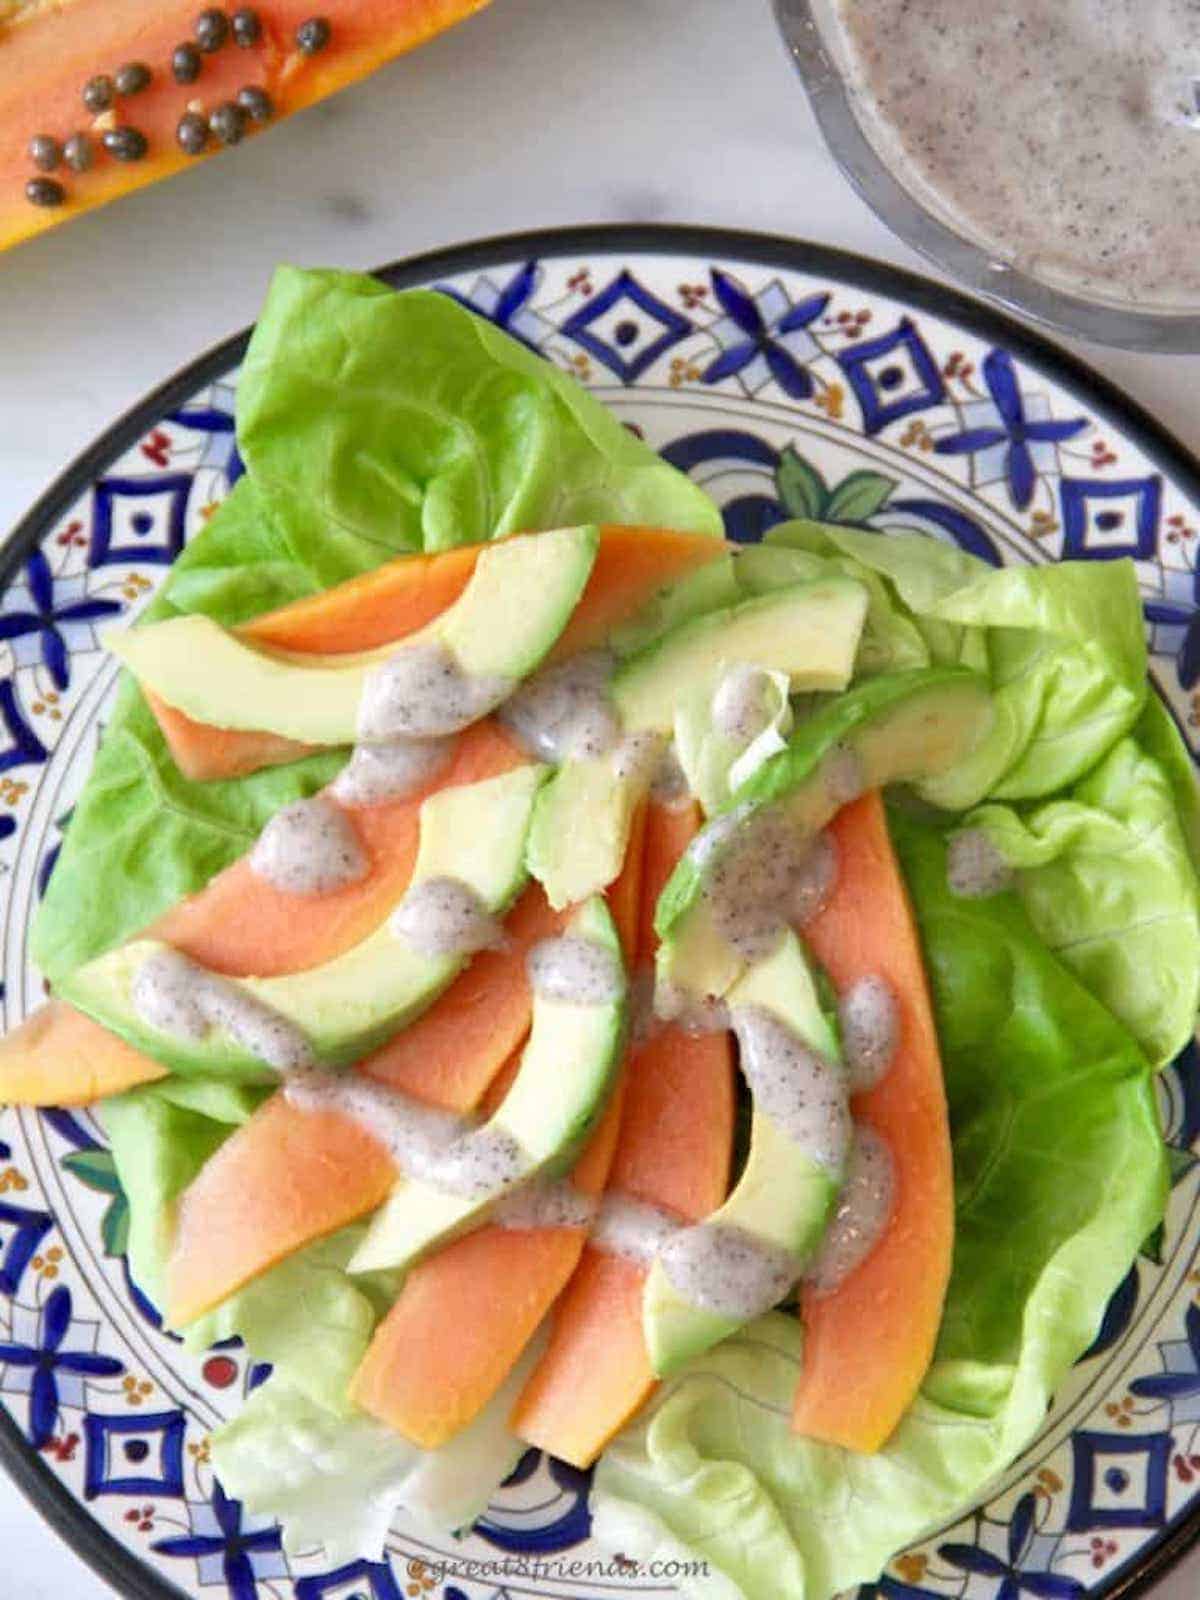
(445, 917)
(416, 1135)
(478, 1163)
(669, 785)
(309, 848)
(378, 772)
(638, 757)
(173, 994)
(801, 1091)
(725, 1269)
(975, 869)
(741, 706)
(421, 692)
(770, 876)
(689, 1012)
(870, 1017)
(864, 1208)
(545, 1205)
(578, 971)
(565, 711)
(632, 1229)
(844, 774)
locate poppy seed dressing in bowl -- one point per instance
(1063, 135)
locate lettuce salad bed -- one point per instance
(372, 424)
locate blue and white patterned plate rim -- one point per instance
(752, 329)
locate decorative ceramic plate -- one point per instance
(788, 380)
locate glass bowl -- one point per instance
(812, 38)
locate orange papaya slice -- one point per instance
(434, 1363)
(51, 48)
(59, 1057)
(403, 595)
(853, 1391)
(673, 1151)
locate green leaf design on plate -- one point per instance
(800, 486)
(859, 496)
(97, 1170)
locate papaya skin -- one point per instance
(854, 1390)
(52, 47)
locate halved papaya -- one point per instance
(854, 1390)
(467, 1311)
(403, 595)
(51, 48)
(673, 1151)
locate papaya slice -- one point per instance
(59, 1057)
(52, 47)
(403, 595)
(467, 1311)
(853, 1391)
(673, 1151)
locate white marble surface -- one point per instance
(538, 112)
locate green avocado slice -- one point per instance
(581, 824)
(899, 727)
(567, 1069)
(345, 1007)
(519, 598)
(783, 1197)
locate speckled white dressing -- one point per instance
(1061, 134)
(863, 1211)
(416, 1135)
(770, 877)
(630, 1228)
(578, 971)
(478, 1163)
(421, 692)
(445, 917)
(545, 1205)
(727, 1270)
(638, 756)
(309, 848)
(391, 771)
(173, 994)
(741, 706)
(692, 1013)
(565, 711)
(669, 785)
(844, 774)
(975, 869)
(870, 1017)
(803, 1094)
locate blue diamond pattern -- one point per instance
(600, 327)
(361, 1580)
(120, 509)
(156, 1437)
(1104, 520)
(23, 744)
(893, 376)
(1136, 1500)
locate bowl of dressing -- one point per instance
(1046, 153)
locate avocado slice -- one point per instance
(899, 727)
(567, 1069)
(581, 824)
(345, 1007)
(809, 631)
(783, 1197)
(707, 589)
(519, 598)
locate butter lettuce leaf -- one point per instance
(372, 423)
(1059, 1176)
(1108, 881)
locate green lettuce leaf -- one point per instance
(372, 423)
(1107, 879)
(339, 1480)
(1059, 1175)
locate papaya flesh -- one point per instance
(853, 1389)
(401, 596)
(59, 1057)
(673, 1151)
(51, 48)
